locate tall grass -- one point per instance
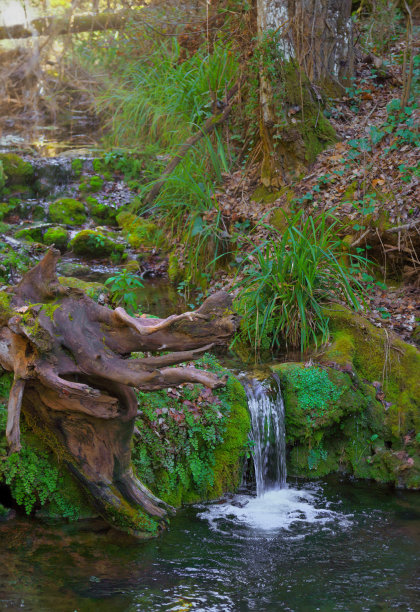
(156, 97)
(286, 281)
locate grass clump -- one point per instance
(286, 280)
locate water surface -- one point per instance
(335, 546)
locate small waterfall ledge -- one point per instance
(266, 407)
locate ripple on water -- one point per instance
(298, 512)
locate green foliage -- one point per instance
(35, 479)
(157, 97)
(92, 243)
(67, 211)
(314, 391)
(3, 178)
(122, 287)
(181, 432)
(286, 280)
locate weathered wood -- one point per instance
(57, 26)
(75, 382)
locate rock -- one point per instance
(67, 211)
(17, 170)
(57, 236)
(140, 232)
(91, 243)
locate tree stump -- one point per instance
(73, 381)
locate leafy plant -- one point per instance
(122, 288)
(287, 279)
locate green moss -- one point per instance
(334, 422)
(6, 311)
(174, 271)
(30, 234)
(16, 169)
(57, 236)
(265, 195)
(6, 208)
(92, 243)
(91, 289)
(380, 356)
(204, 435)
(77, 166)
(139, 232)
(67, 211)
(101, 213)
(94, 184)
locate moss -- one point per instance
(77, 166)
(380, 356)
(101, 213)
(57, 236)
(265, 195)
(301, 131)
(92, 243)
(67, 211)
(6, 310)
(91, 289)
(6, 208)
(139, 232)
(228, 456)
(205, 435)
(30, 234)
(334, 421)
(17, 171)
(174, 270)
(93, 185)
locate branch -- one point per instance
(177, 376)
(210, 124)
(143, 327)
(45, 26)
(173, 358)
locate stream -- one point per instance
(329, 545)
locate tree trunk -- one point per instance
(305, 54)
(74, 381)
(45, 26)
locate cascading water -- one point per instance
(265, 403)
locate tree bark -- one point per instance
(306, 52)
(74, 382)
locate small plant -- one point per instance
(287, 279)
(122, 288)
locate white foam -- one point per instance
(276, 511)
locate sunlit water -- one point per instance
(339, 546)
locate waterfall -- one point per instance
(265, 403)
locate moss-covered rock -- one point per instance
(358, 411)
(205, 435)
(92, 243)
(30, 234)
(16, 170)
(67, 211)
(92, 289)
(379, 356)
(92, 184)
(140, 232)
(72, 268)
(101, 213)
(58, 236)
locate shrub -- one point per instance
(286, 280)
